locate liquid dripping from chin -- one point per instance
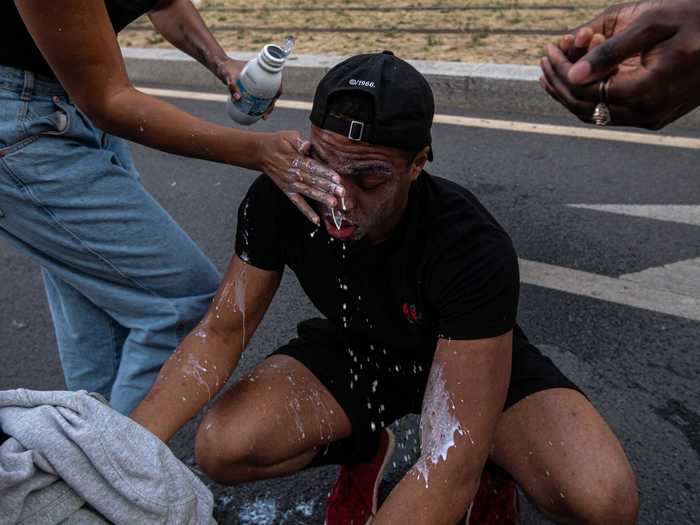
(337, 219)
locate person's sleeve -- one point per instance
(475, 288)
(259, 235)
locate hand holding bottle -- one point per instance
(259, 84)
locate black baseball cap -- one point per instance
(403, 102)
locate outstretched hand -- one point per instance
(285, 159)
(649, 52)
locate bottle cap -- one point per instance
(273, 57)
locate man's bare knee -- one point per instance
(232, 450)
(223, 457)
(614, 501)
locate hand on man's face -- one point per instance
(648, 51)
(377, 180)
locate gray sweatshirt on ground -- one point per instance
(71, 459)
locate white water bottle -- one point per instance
(259, 82)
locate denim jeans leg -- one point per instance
(73, 201)
(89, 341)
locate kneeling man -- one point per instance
(418, 286)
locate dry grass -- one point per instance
(479, 46)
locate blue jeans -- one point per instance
(124, 282)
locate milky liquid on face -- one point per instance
(371, 209)
(337, 218)
(438, 424)
(338, 215)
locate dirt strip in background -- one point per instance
(509, 32)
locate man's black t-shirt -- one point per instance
(17, 49)
(448, 270)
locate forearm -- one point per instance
(206, 358)
(464, 395)
(181, 24)
(194, 374)
(430, 494)
(138, 117)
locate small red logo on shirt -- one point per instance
(410, 313)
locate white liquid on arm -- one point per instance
(438, 425)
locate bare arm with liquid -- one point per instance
(77, 39)
(207, 357)
(462, 404)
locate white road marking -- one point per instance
(684, 214)
(176, 93)
(625, 291)
(505, 125)
(216, 97)
(681, 277)
(611, 289)
(571, 132)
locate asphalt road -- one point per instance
(641, 368)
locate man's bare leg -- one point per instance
(271, 423)
(566, 459)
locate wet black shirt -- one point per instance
(17, 49)
(449, 270)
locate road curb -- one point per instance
(481, 88)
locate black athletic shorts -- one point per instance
(375, 388)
